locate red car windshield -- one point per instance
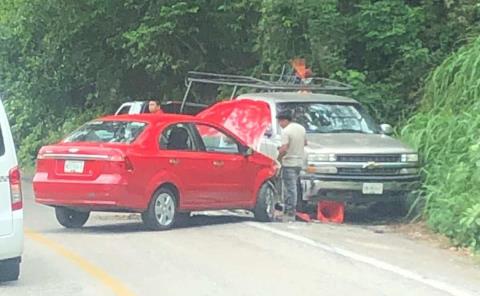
(107, 132)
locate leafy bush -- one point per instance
(447, 132)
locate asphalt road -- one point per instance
(222, 254)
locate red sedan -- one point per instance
(161, 166)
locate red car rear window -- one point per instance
(107, 132)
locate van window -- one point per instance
(2, 144)
(107, 132)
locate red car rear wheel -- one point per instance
(70, 218)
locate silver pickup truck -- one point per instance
(349, 157)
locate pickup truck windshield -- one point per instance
(107, 132)
(331, 117)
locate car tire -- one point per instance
(182, 219)
(302, 205)
(266, 200)
(399, 208)
(69, 218)
(9, 270)
(162, 212)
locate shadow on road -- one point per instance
(368, 215)
(102, 223)
(132, 223)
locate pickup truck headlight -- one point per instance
(409, 171)
(322, 170)
(412, 157)
(321, 157)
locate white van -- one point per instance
(11, 205)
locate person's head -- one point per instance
(284, 118)
(154, 106)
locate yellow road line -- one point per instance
(115, 285)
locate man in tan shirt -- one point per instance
(291, 155)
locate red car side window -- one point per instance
(177, 137)
(215, 140)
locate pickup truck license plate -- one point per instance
(74, 166)
(372, 188)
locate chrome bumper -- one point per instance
(315, 186)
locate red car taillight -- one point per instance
(41, 165)
(41, 162)
(128, 164)
(124, 160)
(15, 188)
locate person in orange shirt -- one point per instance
(154, 106)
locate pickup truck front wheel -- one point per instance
(394, 208)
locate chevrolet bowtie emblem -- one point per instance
(370, 165)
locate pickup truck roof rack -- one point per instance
(270, 83)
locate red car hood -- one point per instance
(245, 118)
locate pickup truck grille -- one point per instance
(369, 158)
(368, 172)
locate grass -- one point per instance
(446, 130)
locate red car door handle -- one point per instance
(218, 163)
(174, 161)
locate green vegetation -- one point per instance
(64, 62)
(446, 130)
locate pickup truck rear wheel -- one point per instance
(266, 200)
(162, 212)
(9, 270)
(70, 218)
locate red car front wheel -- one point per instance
(266, 200)
(162, 211)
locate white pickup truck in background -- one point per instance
(137, 107)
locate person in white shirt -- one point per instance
(291, 155)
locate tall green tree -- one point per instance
(62, 62)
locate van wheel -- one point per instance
(9, 270)
(162, 211)
(70, 218)
(266, 200)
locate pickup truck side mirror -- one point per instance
(387, 129)
(268, 133)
